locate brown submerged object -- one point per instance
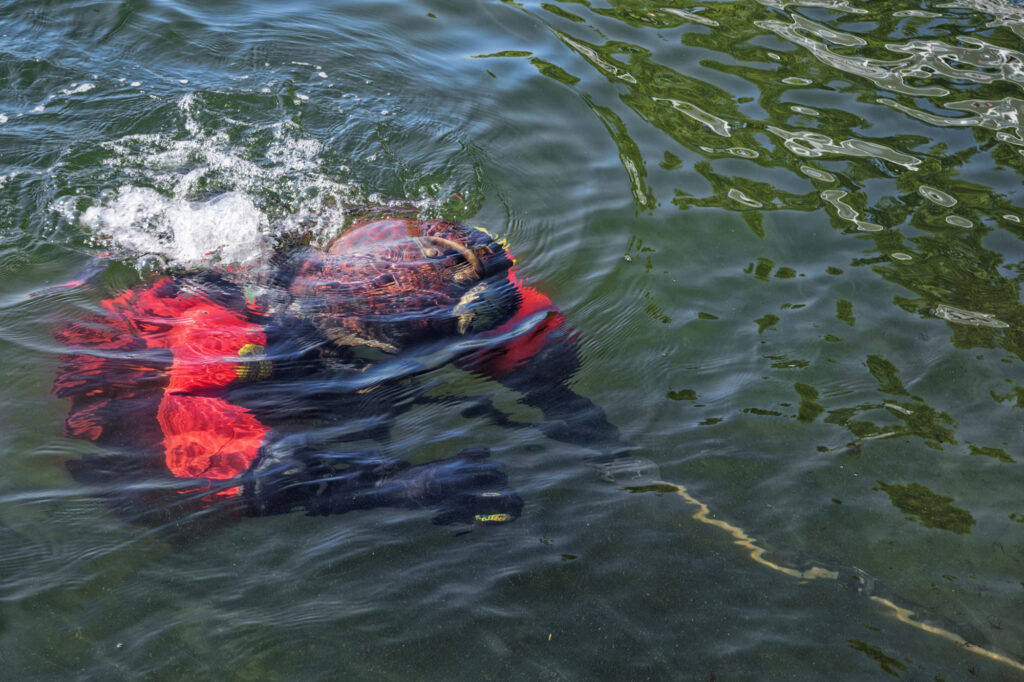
(391, 282)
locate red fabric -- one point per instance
(205, 340)
(94, 382)
(208, 437)
(505, 358)
(203, 436)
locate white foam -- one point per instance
(77, 89)
(227, 229)
(162, 209)
(3, 118)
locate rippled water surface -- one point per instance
(790, 234)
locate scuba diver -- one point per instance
(201, 388)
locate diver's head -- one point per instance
(389, 282)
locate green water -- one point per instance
(790, 233)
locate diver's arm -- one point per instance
(538, 360)
(543, 381)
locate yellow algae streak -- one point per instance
(703, 514)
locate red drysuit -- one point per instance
(178, 349)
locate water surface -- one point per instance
(790, 232)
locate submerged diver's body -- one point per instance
(188, 386)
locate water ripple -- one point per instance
(788, 232)
(809, 144)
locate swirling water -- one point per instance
(790, 232)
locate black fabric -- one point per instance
(466, 488)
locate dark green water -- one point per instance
(791, 233)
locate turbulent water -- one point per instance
(790, 234)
